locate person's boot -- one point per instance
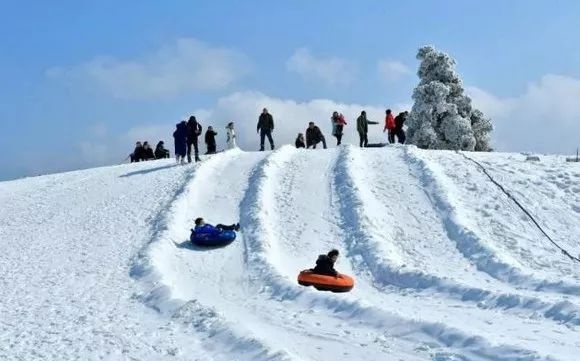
(261, 148)
(197, 159)
(272, 146)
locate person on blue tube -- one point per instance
(204, 228)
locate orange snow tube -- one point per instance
(342, 283)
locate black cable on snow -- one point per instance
(484, 170)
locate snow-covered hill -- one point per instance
(96, 264)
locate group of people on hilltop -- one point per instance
(314, 136)
(186, 137)
(143, 152)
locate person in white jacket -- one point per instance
(231, 135)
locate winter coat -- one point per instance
(389, 122)
(193, 130)
(161, 152)
(266, 122)
(138, 154)
(300, 143)
(399, 121)
(338, 123)
(313, 136)
(148, 154)
(362, 125)
(210, 137)
(207, 229)
(325, 266)
(180, 137)
(231, 138)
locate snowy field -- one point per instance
(96, 264)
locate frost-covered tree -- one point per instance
(442, 116)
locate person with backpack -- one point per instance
(180, 139)
(160, 151)
(399, 122)
(314, 136)
(210, 140)
(390, 126)
(193, 131)
(338, 123)
(138, 153)
(265, 128)
(362, 127)
(299, 143)
(231, 136)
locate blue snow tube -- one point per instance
(215, 239)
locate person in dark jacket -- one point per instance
(325, 264)
(314, 136)
(300, 141)
(210, 140)
(180, 137)
(399, 122)
(193, 131)
(160, 151)
(202, 227)
(138, 153)
(362, 127)
(265, 128)
(147, 152)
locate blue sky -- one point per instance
(82, 76)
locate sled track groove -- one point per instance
(259, 233)
(467, 240)
(365, 243)
(216, 332)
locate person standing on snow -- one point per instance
(265, 128)
(180, 139)
(314, 136)
(210, 140)
(231, 135)
(390, 126)
(399, 122)
(338, 123)
(362, 127)
(193, 131)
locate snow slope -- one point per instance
(96, 264)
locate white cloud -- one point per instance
(332, 71)
(542, 119)
(391, 71)
(184, 66)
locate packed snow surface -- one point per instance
(96, 264)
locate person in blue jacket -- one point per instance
(203, 228)
(180, 136)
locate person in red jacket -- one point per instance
(390, 125)
(338, 123)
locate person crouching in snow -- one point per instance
(325, 264)
(314, 136)
(231, 135)
(204, 228)
(299, 143)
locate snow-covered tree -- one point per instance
(442, 116)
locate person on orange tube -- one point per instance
(325, 264)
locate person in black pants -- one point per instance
(265, 128)
(299, 143)
(398, 131)
(210, 140)
(314, 136)
(193, 131)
